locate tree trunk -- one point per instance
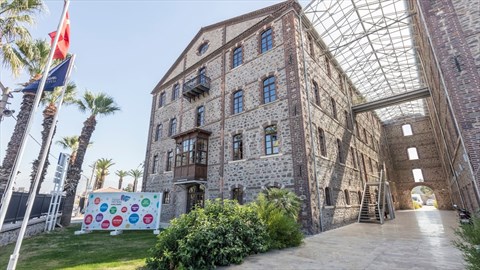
(120, 183)
(48, 116)
(135, 185)
(16, 139)
(73, 173)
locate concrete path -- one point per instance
(414, 240)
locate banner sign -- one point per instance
(122, 211)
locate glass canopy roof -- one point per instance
(372, 42)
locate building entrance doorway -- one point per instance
(195, 196)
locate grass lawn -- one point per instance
(62, 249)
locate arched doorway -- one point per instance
(423, 197)
(195, 196)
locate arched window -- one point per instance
(203, 48)
(237, 57)
(334, 108)
(238, 102)
(267, 40)
(271, 140)
(347, 197)
(328, 197)
(323, 144)
(341, 157)
(168, 166)
(359, 197)
(173, 127)
(316, 92)
(155, 164)
(158, 132)
(237, 194)
(269, 93)
(175, 91)
(237, 147)
(166, 197)
(200, 116)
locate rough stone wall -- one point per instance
(9, 233)
(360, 149)
(428, 160)
(453, 32)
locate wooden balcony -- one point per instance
(196, 87)
(191, 159)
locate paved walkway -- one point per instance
(414, 240)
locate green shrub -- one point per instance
(219, 234)
(469, 243)
(279, 209)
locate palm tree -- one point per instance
(33, 56)
(50, 100)
(121, 174)
(135, 173)
(102, 171)
(14, 16)
(71, 143)
(96, 104)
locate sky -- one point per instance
(123, 48)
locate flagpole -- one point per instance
(11, 180)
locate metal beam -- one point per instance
(393, 100)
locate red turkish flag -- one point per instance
(63, 41)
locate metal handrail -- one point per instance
(196, 81)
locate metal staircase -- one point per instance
(58, 180)
(376, 201)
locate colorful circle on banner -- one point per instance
(135, 208)
(133, 218)
(158, 204)
(113, 210)
(105, 224)
(97, 200)
(147, 219)
(124, 209)
(145, 202)
(103, 207)
(117, 221)
(88, 219)
(99, 217)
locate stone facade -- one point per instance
(428, 161)
(326, 153)
(448, 41)
(299, 164)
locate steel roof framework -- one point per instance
(372, 42)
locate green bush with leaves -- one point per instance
(222, 233)
(279, 209)
(469, 243)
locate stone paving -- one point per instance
(414, 240)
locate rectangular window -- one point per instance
(166, 197)
(412, 153)
(271, 140)
(169, 164)
(328, 197)
(155, 164)
(417, 175)
(327, 66)
(191, 151)
(237, 147)
(340, 81)
(267, 41)
(269, 94)
(173, 127)
(238, 102)
(354, 160)
(237, 57)
(175, 91)
(407, 130)
(365, 136)
(311, 46)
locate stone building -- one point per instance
(259, 101)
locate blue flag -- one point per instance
(56, 77)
